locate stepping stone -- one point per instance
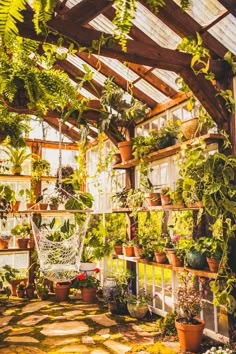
(21, 350)
(118, 348)
(87, 340)
(35, 306)
(64, 328)
(136, 335)
(88, 307)
(56, 308)
(74, 349)
(17, 331)
(5, 320)
(103, 320)
(99, 351)
(21, 339)
(32, 320)
(5, 329)
(9, 312)
(59, 341)
(73, 313)
(105, 333)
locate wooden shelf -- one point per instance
(154, 208)
(13, 178)
(198, 272)
(169, 151)
(49, 212)
(15, 250)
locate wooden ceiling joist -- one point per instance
(184, 25)
(69, 133)
(118, 79)
(137, 52)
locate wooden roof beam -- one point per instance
(65, 129)
(184, 25)
(230, 5)
(137, 52)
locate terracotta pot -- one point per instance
(128, 251)
(53, 206)
(118, 249)
(43, 206)
(20, 293)
(62, 291)
(137, 311)
(153, 199)
(4, 243)
(15, 206)
(213, 264)
(88, 294)
(116, 158)
(176, 261)
(30, 206)
(165, 200)
(16, 170)
(14, 283)
(125, 148)
(31, 241)
(137, 251)
(190, 335)
(169, 252)
(160, 257)
(22, 242)
(29, 293)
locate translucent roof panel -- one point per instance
(155, 28)
(150, 91)
(72, 3)
(204, 12)
(225, 32)
(167, 76)
(101, 23)
(44, 131)
(119, 68)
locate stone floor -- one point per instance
(38, 327)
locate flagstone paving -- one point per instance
(39, 327)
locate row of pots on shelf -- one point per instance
(32, 206)
(21, 243)
(194, 259)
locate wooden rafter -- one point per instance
(137, 52)
(66, 130)
(118, 79)
(184, 25)
(230, 5)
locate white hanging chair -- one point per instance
(60, 261)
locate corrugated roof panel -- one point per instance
(147, 22)
(101, 23)
(225, 31)
(119, 68)
(150, 90)
(204, 12)
(87, 94)
(72, 3)
(167, 76)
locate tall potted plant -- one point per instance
(88, 284)
(188, 305)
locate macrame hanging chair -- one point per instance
(60, 260)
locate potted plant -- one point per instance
(42, 288)
(29, 290)
(118, 116)
(30, 198)
(159, 251)
(88, 284)
(17, 156)
(188, 305)
(62, 290)
(119, 199)
(118, 246)
(116, 294)
(20, 290)
(7, 195)
(212, 248)
(166, 193)
(21, 232)
(4, 241)
(138, 305)
(128, 248)
(54, 200)
(39, 167)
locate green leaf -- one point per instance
(10, 11)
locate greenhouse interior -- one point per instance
(117, 176)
